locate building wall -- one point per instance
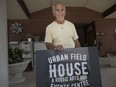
(106, 26)
(36, 25)
(40, 19)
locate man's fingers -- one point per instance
(58, 47)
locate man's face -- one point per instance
(59, 12)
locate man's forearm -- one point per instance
(77, 43)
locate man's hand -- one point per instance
(58, 47)
(54, 47)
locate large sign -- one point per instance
(74, 67)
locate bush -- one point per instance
(15, 55)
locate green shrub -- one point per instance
(15, 55)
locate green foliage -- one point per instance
(15, 55)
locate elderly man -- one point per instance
(61, 34)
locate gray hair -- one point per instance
(54, 5)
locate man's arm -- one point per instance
(77, 43)
(55, 47)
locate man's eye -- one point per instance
(62, 9)
(57, 10)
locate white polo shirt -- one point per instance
(63, 34)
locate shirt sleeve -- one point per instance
(48, 36)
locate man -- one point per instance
(61, 33)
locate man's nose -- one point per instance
(60, 12)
